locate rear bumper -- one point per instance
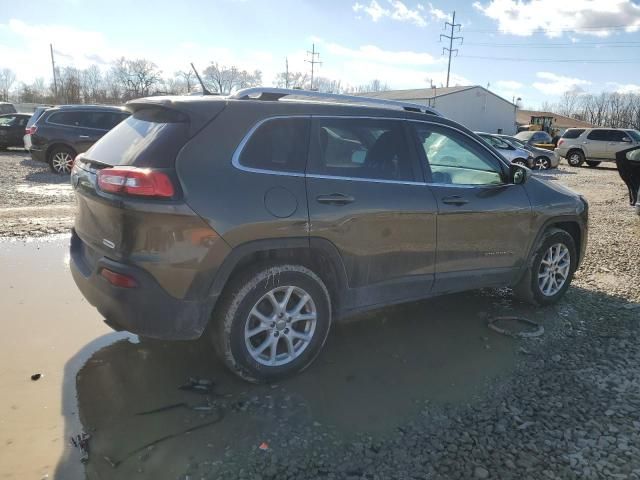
(146, 310)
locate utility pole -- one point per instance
(313, 61)
(286, 81)
(55, 81)
(451, 38)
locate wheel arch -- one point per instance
(319, 255)
(56, 144)
(569, 224)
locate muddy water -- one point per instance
(46, 328)
(377, 372)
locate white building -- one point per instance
(475, 107)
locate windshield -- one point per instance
(635, 135)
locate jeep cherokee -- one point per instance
(260, 218)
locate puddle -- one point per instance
(46, 190)
(375, 374)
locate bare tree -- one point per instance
(226, 79)
(136, 78)
(188, 78)
(7, 79)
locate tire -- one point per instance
(235, 319)
(575, 158)
(532, 287)
(60, 159)
(520, 161)
(542, 163)
(592, 163)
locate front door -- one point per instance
(484, 222)
(366, 195)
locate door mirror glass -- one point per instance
(519, 174)
(626, 139)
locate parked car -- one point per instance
(11, 128)
(515, 155)
(62, 132)
(628, 163)
(262, 221)
(28, 130)
(6, 107)
(595, 145)
(537, 138)
(543, 159)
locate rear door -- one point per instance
(484, 223)
(367, 196)
(597, 143)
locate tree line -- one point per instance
(606, 109)
(133, 78)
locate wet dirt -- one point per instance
(375, 373)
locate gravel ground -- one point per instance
(33, 200)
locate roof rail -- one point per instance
(274, 94)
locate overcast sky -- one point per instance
(530, 49)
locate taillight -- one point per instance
(560, 142)
(118, 279)
(30, 130)
(135, 181)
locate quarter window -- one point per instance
(361, 148)
(456, 160)
(279, 144)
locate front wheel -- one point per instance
(272, 322)
(592, 163)
(551, 269)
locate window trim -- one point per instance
(235, 159)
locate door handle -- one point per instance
(335, 199)
(455, 200)
(83, 136)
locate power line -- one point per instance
(313, 61)
(567, 29)
(546, 60)
(556, 45)
(451, 38)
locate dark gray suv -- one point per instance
(60, 133)
(262, 217)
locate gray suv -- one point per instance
(595, 145)
(260, 218)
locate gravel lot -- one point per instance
(570, 408)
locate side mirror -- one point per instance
(626, 139)
(518, 174)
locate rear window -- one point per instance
(7, 108)
(573, 133)
(149, 138)
(279, 144)
(36, 115)
(602, 135)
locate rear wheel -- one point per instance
(61, 159)
(550, 270)
(575, 158)
(542, 163)
(592, 164)
(272, 322)
(520, 161)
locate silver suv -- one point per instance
(595, 145)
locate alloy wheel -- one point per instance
(280, 326)
(541, 163)
(62, 162)
(554, 269)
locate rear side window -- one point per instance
(148, 138)
(279, 144)
(573, 133)
(602, 135)
(361, 148)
